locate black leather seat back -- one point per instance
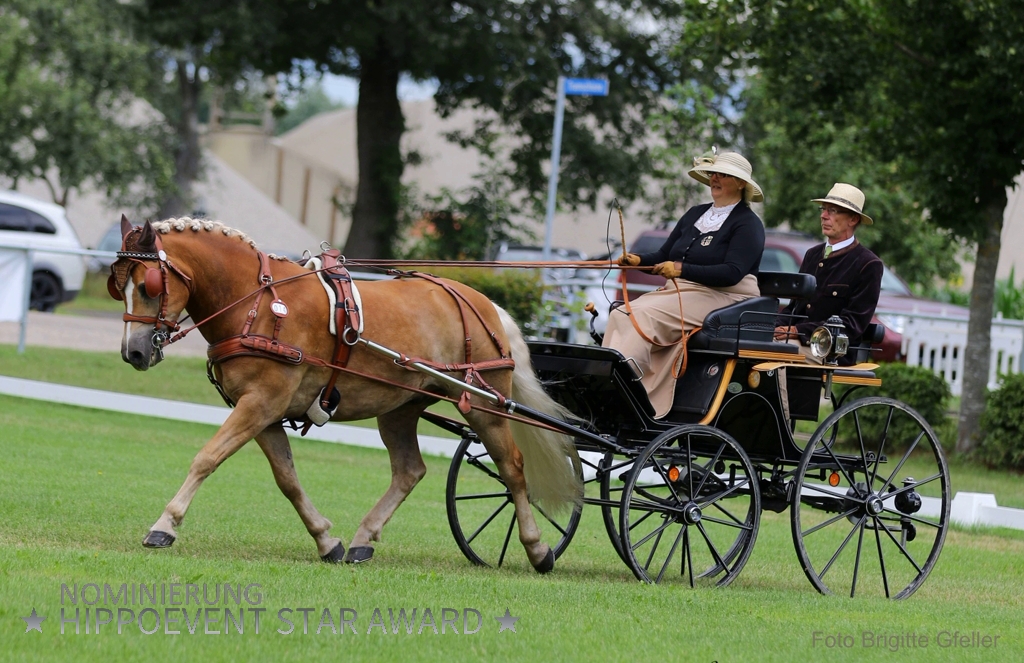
(786, 284)
(859, 354)
(750, 322)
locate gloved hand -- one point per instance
(668, 269)
(628, 259)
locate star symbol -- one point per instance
(34, 622)
(508, 622)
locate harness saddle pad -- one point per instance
(314, 264)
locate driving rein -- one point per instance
(347, 318)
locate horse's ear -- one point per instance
(126, 226)
(147, 241)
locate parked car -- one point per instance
(29, 223)
(783, 252)
(111, 241)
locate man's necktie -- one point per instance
(828, 249)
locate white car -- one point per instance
(29, 223)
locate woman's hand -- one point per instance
(628, 259)
(668, 269)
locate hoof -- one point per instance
(358, 554)
(547, 564)
(336, 556)
(157, 539)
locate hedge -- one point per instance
(1002, 425)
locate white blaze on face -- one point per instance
(128, 289)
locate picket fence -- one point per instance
(938, 343)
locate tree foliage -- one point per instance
(468, 224)
(797, 157)
(69, 109)
(194, 44)
(501, 56)
(930, 89)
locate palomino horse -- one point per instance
(202, 267)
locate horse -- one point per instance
(201, 268)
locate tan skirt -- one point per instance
(657, 314)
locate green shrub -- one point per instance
(518, 291)
(1002, 425)
(918, 387)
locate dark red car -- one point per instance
(783, 252)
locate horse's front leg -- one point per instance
(247, 419)
(274, 442)
(398, 431)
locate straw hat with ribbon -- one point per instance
(848, 197)
(728, 163)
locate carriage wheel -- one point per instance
(481, 514)
(690, 508)
(609, 472)
(861, 520)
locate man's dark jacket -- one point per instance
(849, 281)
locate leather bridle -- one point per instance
(155, 284)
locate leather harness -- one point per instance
(347, 323)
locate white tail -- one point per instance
(548, 457)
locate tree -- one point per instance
(502, 56)
(69, 109)
(797, 157)
(934, 91)
(198, 43)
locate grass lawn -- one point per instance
(79, 488)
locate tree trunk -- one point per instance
(379, 127)
(979, 329)
(187, 159)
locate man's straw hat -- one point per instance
(849, 197)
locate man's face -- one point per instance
(837, 223)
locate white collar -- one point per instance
(714, 217)
(841, 245)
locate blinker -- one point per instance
(154, 283)
(112, 288)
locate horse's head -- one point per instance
(154, 291)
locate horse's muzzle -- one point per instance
(140, 351)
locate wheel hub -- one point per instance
(691, 514)
(873, 505)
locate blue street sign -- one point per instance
(586, 87)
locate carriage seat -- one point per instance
(749, 323)
(786, 284)
(874, 333)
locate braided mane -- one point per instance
(195, 225)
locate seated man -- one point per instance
(849, 276)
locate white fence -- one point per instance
(938, 343)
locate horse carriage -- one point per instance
(681, 497)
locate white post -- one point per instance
(29, 256)
(556, 154)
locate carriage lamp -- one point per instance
(830, 342)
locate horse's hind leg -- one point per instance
(496, 437)
(274, 442)
(398, 431)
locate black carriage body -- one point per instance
(725, 452)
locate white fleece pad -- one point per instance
(314, 264)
